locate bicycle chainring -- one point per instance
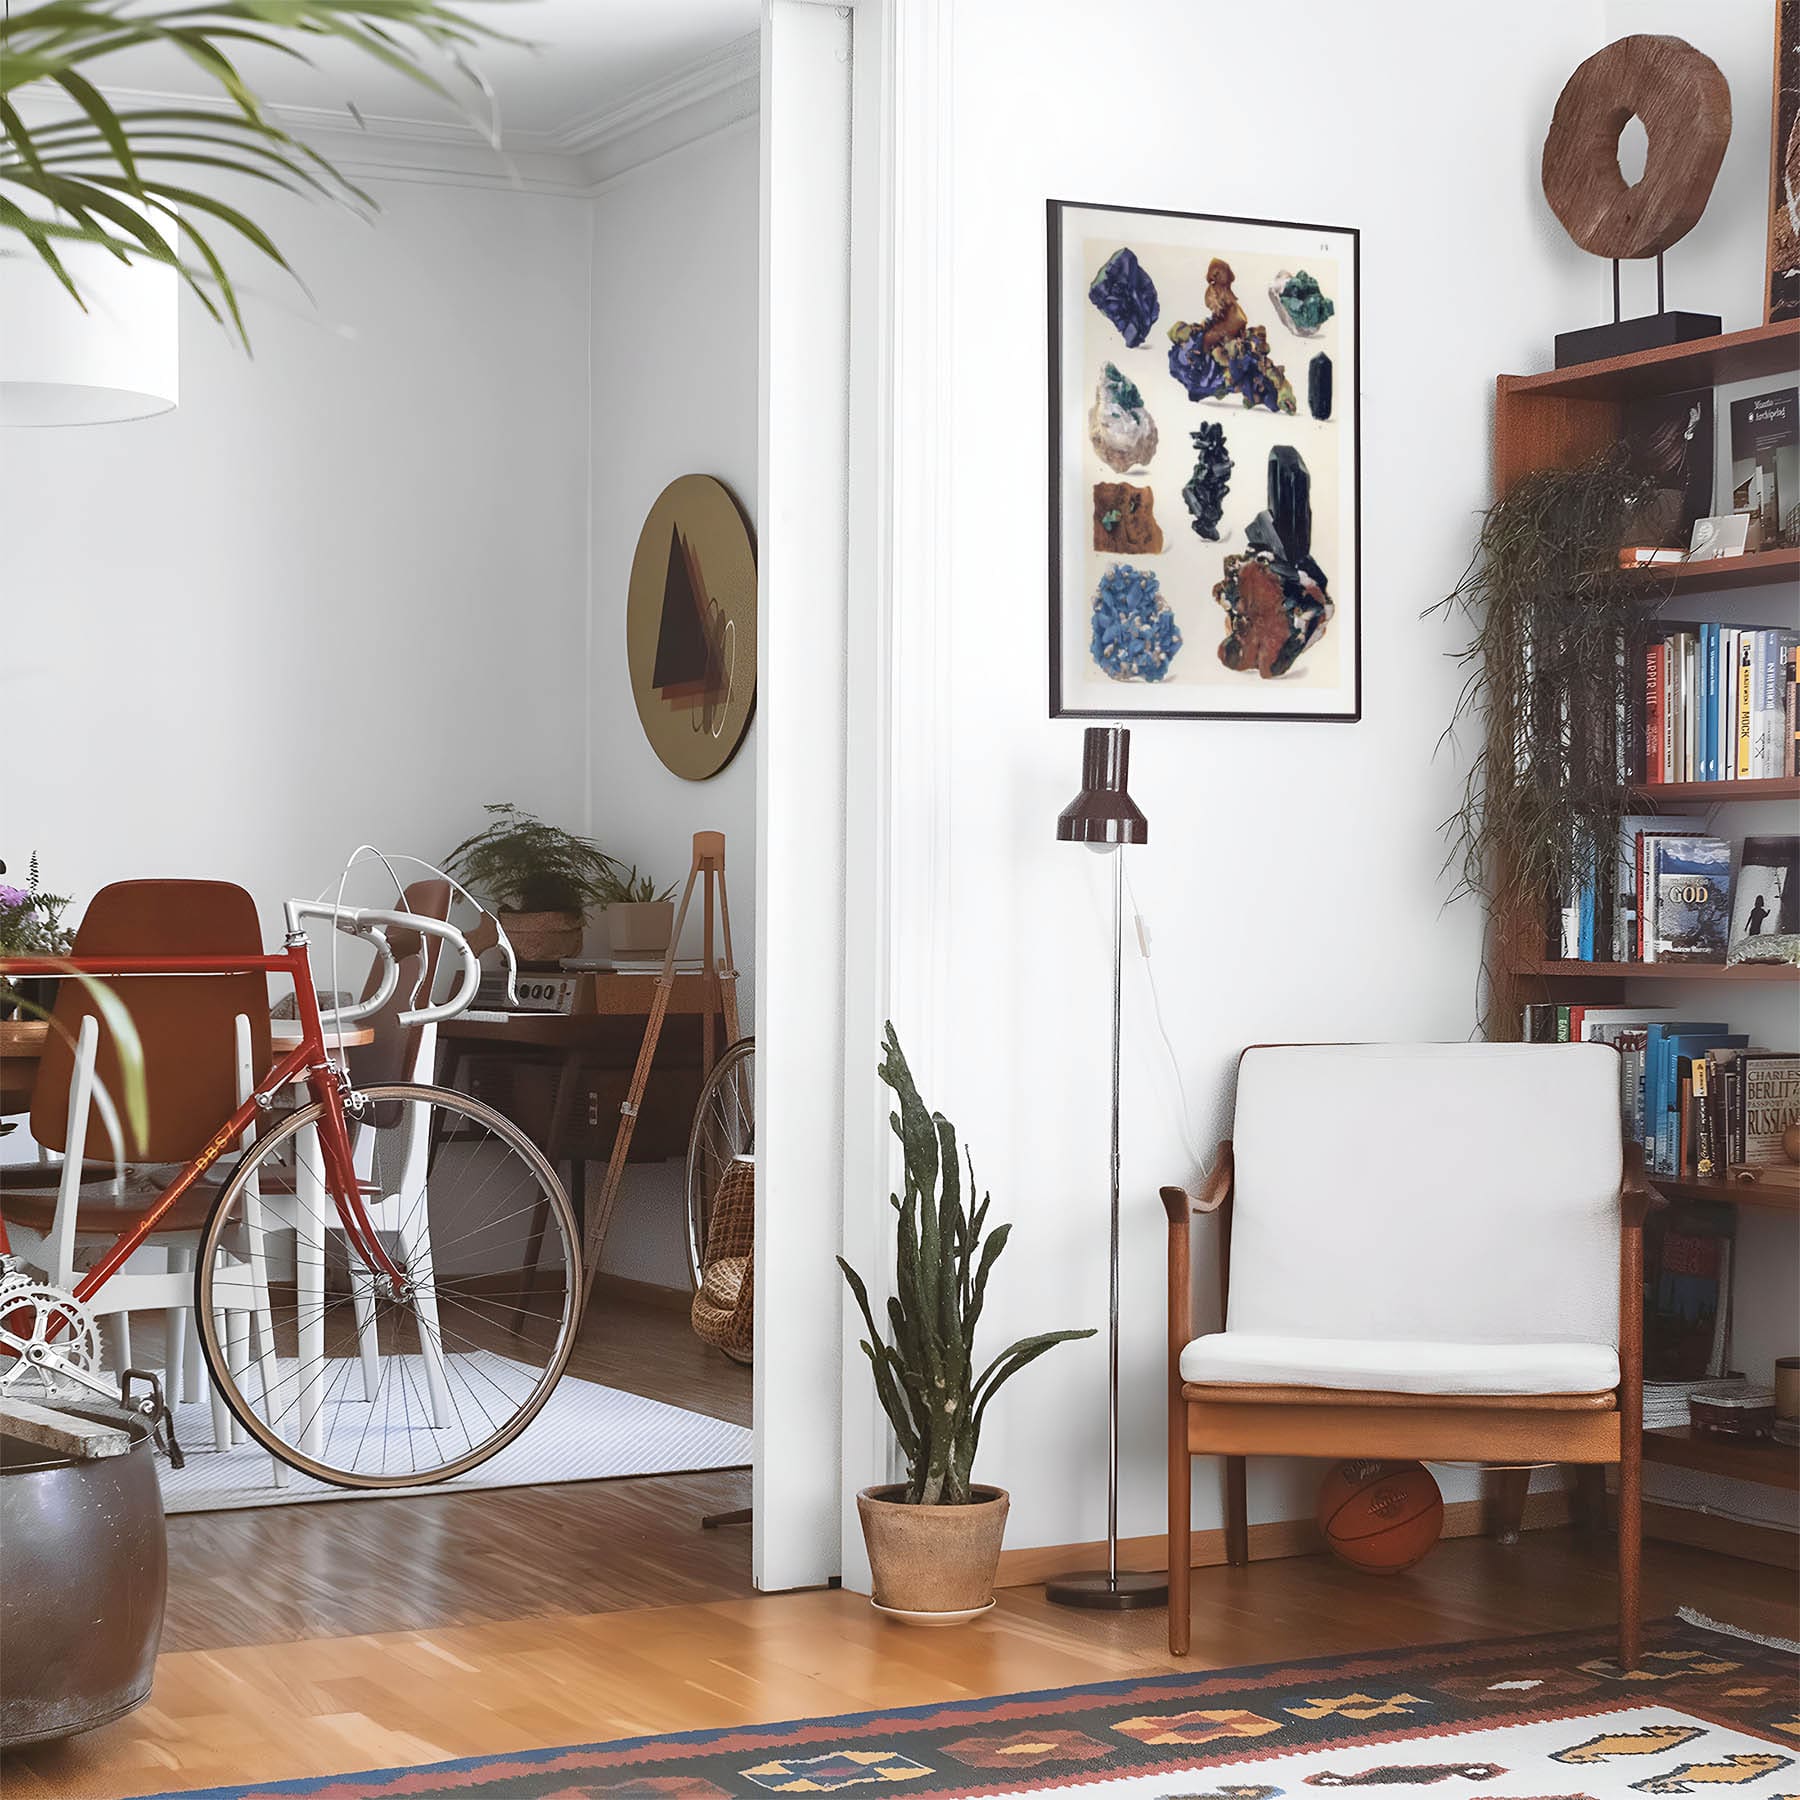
(34, 1312)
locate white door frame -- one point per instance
(852, 814)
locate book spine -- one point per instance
(1684, 1124)
(1709, 704)
(1742, 760)
(1653, 717)
(1562, 1024)
(1727, 737)
(1791, 749)
(1647, 902)
(1705, 1162)
(1670, 667)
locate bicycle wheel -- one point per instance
(333, 1367)
(724, 1126)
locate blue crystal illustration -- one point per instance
(1135, 634)
(1227, 355)
(1124, 291)
(1205, 490)
(1302, 303)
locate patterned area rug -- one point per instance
(1544, 1718)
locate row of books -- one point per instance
(1679, 894)
(1719, 704)
(1699, 1097)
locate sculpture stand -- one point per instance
(1625, 337)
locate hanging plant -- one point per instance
(1549, 680)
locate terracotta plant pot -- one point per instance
(542, 939)
(934, 1565)
(640, 928)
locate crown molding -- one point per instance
(706, 96)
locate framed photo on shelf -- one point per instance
(1205, 479)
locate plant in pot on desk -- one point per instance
(542, 878)
(30, 925)
(639, 920)
(934, 1540)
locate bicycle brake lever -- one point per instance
(156, 1409)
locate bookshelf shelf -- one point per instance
(1777, 787)
(1758, 1460)
(1764, 350)
(1771, 1197)
(1759, 568)
(1656, 971)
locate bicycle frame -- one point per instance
(308, 1060)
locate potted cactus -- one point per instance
(934, 1539)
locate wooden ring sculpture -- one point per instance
(1684, 102)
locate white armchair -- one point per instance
(1426, 1251)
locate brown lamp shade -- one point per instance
(1103, 812)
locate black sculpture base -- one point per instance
(1625, 337)
(1094, 1590)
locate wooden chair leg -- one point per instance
(1506, 1502)
(1630, 1554)
(1181, 1507)
(1237, 1513)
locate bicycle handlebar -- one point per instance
(373, 925)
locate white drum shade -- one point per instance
(61, 366)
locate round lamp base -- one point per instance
(1095, 1590)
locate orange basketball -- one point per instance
(1380, 1517)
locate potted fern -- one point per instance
(934, 1539)
(542, 879)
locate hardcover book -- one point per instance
(1767, 896)
(1765, 460)
(1770, 1101)
(1690, 884)
(1687, 1300)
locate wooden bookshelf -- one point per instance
(1764, 1196)
(1743, 1459)
(1763, 350)
(1551, 970)
(1758, 568)
(1712, 793)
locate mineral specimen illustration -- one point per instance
(1119, 423)
(1274, 595)
(1226, 355)
(1125, 519)
(1135, 635)
(1318, 386)
(1205, 490)
(1124, 291)
(1302, 303)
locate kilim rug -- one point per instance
(1541, 1718)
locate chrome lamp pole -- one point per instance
(1105, 818)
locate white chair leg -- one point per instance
(368, 1343)
(175, 1329)
(115, 1332)
(309, 1269)
(193, 1361)
(222, 1421)
(415, 1255)
(237, 1359)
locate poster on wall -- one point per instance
(1204, 480)
(1784, 168)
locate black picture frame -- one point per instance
(1060, 705)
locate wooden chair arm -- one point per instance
(1636, 1196)
(1180, 1205)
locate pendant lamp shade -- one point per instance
(120, 359)
(1104, 814)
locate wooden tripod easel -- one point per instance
(720, 977)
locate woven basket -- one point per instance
(723, 1308)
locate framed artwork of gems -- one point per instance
(690, 626)
(1204, 467)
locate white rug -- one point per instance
(586, 1432)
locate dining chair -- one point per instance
(1425, 1251)
(203, 1041)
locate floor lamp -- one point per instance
(1104, 817)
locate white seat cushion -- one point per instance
(1396, 1366)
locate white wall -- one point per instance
(1292, 879)
(674, 371)
(377, 528)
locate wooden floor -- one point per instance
(278, 1574)
(336, 1704)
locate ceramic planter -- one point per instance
(543, 939)
(640, 928)
(933, 1565)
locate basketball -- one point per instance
(1380, 1517)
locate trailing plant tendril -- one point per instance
(1550, 679)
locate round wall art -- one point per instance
(690, 626)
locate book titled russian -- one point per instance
(1690, 888)
(1770, 1099)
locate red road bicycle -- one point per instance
(387, 1281)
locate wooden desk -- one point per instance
(561, 1077)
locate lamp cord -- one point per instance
(1184, 1112)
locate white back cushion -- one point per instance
(1457, 1192)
